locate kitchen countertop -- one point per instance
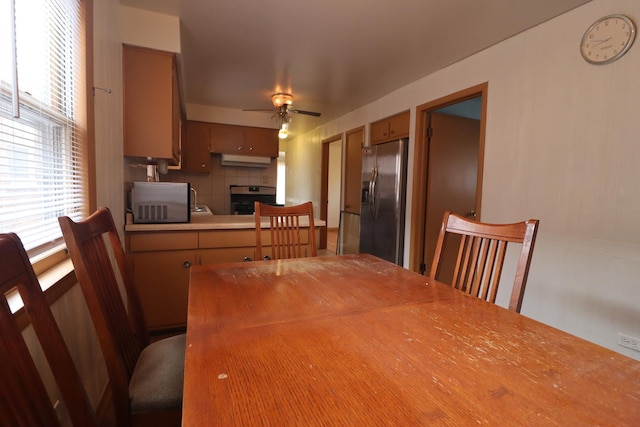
(206, 220)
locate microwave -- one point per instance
(160, 202)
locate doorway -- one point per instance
(330, 191)
(448, 167)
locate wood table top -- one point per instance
(355, 340)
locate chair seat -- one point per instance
(157, 380)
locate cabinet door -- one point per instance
(150, 123)
(399, 126)
(379, 131)
(391, 128)
(196, 154)
(260, 142)
(162, 280)
(227, 139)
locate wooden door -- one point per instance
(470, 102)
(451, 176)
(353, 170)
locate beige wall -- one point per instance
(108, 107)
(562, 145)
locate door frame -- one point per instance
(324, 186)
(420, 160)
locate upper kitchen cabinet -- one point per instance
(391, 128)
(151, 104)
(248, 141)
(196, 147)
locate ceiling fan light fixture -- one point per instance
(283, 133)
(279, 99)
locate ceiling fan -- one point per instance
(282, 103)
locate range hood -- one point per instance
(245, 161)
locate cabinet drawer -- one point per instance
(217, 256)
(227, 239)
(162, 241)
(239, 238)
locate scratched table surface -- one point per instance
(355, 340)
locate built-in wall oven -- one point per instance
(244, 196)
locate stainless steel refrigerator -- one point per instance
(384, 178)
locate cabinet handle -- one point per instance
(186, 264)
(202, 165)
(239, 147)
(247, 259)
(250, 148)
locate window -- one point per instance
(43, 156)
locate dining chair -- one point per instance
(287, 240)
(145, 379)
(24, 400)
(481, 254)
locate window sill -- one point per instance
(54, 281)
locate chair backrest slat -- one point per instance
(99, 261)
(285, 230)
(481, 255)
(23, 395)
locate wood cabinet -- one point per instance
(151, 107)
(160, 262)
(196, 147)
(249, 141)
(391, 128)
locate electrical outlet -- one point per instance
(629, 342)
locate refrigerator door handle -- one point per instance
(372, 192)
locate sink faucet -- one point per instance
(195, 198)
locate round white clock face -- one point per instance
(607, 39)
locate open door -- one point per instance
(452, 172)
(448, 159)
(330, 188)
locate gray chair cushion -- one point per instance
(157, 379)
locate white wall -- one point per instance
(335, 184)
(562, 145)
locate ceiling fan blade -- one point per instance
(269, 110)
(308, 113)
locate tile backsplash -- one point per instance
(213, 187)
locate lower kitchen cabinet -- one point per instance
(160, 262)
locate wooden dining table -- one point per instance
(357, 341)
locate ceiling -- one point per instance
(332, 55)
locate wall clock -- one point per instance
(607, 39)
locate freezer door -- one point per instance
(367, 206)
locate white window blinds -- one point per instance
(43, 150)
